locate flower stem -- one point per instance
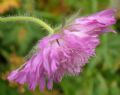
(27, 18)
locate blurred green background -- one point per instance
(101, 76)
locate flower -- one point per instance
(94, 24)
(64, 53)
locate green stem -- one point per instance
(94, 5)
(106, 52)
(27, 18)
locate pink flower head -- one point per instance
(94, 24)
(64, 53)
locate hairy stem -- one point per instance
(27, 18)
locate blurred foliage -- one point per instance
(101, 76)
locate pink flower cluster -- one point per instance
(64, 53)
